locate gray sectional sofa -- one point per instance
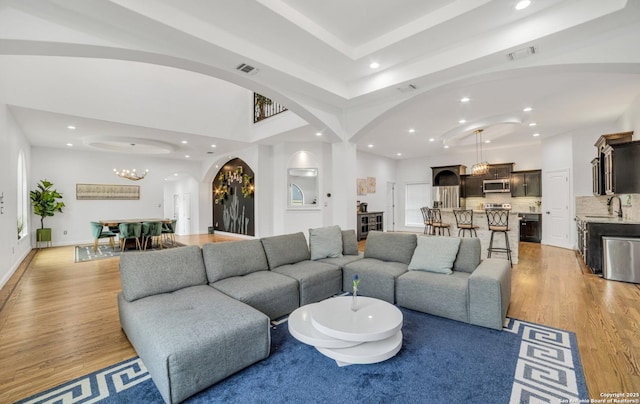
(197, 315)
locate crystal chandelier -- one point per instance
(481, 167)
(131, 174)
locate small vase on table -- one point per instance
(354, 297)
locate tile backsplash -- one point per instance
(597, 205)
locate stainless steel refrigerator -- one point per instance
(446, 197)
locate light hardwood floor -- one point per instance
(60, 319)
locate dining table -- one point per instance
(111, 223)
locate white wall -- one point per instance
(66, 168)
(384, 171)
(12, 141)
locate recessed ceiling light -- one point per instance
(532, 124)
(523, 4)
(71, 127)
(213, 145)
(175, 174)
(184, 142)
(370, 145)
(318, 133)
(187, 156)
(487, 141)
(432, 140)
(446, 146)
(527, 109)
(465, 99)
(398, 154)
(374, 65)
(462, 121)
(536, 134)
(412, 130)
(70, 144)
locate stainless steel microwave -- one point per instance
(496, 186)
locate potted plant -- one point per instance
(45, 203)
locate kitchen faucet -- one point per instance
(610, 203)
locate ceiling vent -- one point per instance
(407, 88)
(522, 53)
(245, 68)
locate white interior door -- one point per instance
(390, 217)
(182, 212)
(556, 223)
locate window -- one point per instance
(417, 196)
(22, 198)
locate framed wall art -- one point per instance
(103, 191)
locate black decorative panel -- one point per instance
(233, 198)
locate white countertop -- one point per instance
(613, 219)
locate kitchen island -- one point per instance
(484, 234)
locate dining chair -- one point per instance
(464, 222)
(98, 232)
(169, 231)
(151, 230)
(130, 231)
(436, 222)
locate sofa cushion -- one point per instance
(385, 246)
(233, 258)
(349, 242)
(428, 292)
(317, 280)
(273, 294)
(469, 253)
(377, 277)
(285, 249)
(341, 261)
(325, 242)
(150, 273)
(435, 254)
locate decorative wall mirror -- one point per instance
(302, 187)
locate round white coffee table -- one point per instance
(370, 334)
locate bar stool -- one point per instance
(436, 222)
(498, 220)
(464, 222)
(426, 216)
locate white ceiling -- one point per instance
(158, 73)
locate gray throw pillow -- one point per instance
(349, 242)
(325, 242)
(435, 254)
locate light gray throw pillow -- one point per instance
(435, 254)
(325, 242)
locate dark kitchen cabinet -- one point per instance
(596, 175)
(593, 233)
(447, 175)
(526, 183)
(602, 165)
(499, 171)
(621, 169)
(472, 186)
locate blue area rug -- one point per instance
(441, 361)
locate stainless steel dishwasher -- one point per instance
(621, 256)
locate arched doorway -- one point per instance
(233, 202)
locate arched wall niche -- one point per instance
(233, 198)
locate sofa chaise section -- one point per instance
(475, 292)
(386, 256)
(240, 270)
(188, 334)
(289, 255)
